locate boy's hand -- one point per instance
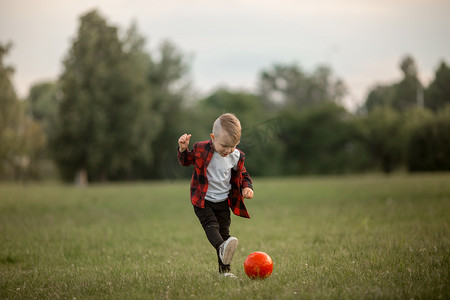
(247, 193)
(183, 142)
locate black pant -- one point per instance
(215, 219)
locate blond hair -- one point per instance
(230, 125)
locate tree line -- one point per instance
(117, 110)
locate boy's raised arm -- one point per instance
(185, 158)
(183, 142)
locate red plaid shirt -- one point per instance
(200, 156)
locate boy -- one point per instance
(219, 182)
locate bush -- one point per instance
(429, 146)
(321, 140)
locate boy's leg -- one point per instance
(210, 224)
(222, 212)
(215, 219)
(223, 216)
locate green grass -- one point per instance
(356, 237)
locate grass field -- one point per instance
(356, 237)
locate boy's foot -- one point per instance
(228, 275)
(226, 250)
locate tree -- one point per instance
(97, 113)
(380, 95)
(8, 98)
(248, 107)
(381, 133)
(401, 95)
(21, 139)
(320, 140)
(169, 86)
(148, 121)
(412, 120)
(429, 146)
(9, 111)
(288, 85)
(437, 94)
(408, 89)
(43, 104)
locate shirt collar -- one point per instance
(210, 147)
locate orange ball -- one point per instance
(258, 265)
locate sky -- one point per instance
(229, 42)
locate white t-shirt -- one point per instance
(219, 175)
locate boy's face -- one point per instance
(222, 144)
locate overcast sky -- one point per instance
(231, 41)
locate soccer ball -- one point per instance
(258, 265)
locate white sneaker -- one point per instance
(228, 275)
(226, 250)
